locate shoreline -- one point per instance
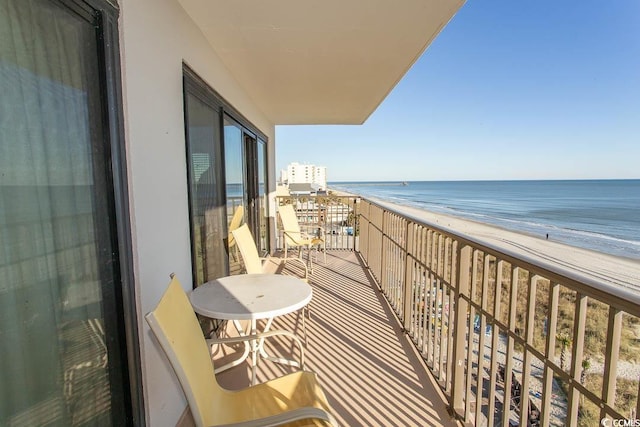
(607, 269)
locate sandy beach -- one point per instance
(605, 269)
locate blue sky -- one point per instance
(508, 90)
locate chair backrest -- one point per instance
(236, 220)
(176, 327)
(248, 249)
(290, 224)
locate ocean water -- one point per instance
(601, 215)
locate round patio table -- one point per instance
(250, 297)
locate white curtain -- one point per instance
(50, 317)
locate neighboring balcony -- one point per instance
(398, 299)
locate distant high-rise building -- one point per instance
(306, 174)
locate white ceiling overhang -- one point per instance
(319, 61)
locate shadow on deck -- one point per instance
(370, 371)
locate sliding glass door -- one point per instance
(246, 169)
(227, 172)
(62, 357)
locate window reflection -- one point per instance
(234, 168)
(207, 207)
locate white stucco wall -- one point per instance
(156, 37)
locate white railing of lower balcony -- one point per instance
(560, 348)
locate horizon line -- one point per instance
(487, 180)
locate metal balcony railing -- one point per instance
(531, 343)
(511, 340)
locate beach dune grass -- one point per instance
(595, 332)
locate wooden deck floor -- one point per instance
(370, 371)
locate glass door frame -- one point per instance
(251, 176)
(127, 368)
(125, 312)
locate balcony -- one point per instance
(399, 299)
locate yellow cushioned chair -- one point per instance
(236, 220)
(253, 263)
(294, 399)
(294, 237)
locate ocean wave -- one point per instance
(584, 214)
(552, 228)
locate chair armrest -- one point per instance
(291, 232)
(288, 417)
(231, 340)
(260, 336)
(313, 227)
(300, 236)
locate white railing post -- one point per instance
(408, 283)
(526, 368)
(554, 292)
(452, 312)
(576, 357)
(508, 368)
(483, 327)
(614, 330)
(470, 339)
(495, 342)
(460, 336)
(378, 242)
